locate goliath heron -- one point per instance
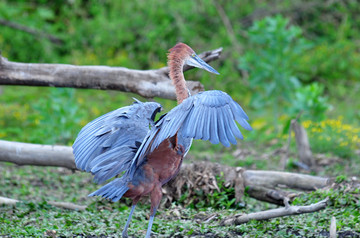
(121, 142)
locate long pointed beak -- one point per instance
(196, 61)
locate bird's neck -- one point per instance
(177, 76)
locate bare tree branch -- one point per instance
(228, 25)
(31, 31)
(8, 201)
(279, 212)
(66, 205)
(147, 83)
(35, 154)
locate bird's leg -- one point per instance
(125, 233)
(177, 147)
(155, 197)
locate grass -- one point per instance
(33, 186)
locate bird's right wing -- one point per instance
(210, 115)
(106, 146)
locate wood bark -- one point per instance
(272, 213)
(66, 205)
(35, 154)
(146, 83)
(302, 144)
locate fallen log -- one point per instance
(146, 83)
(34, 154)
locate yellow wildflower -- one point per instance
(95, 111)
(306, 124)
(344, 143)
(80, 100)
(82, 122)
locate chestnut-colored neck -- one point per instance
(176, 74)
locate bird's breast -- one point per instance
(166, 159)
(160, 166)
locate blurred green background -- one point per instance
(279, 58)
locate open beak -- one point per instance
(197, 62)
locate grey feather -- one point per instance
(111, 135)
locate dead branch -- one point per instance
(8, 201)
(31, 31)
(146, 83)
(66, 205)
(35, 154)
(228, 26)
(279, 212)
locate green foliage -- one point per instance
(52, 115)
(330, 63)
(52, 110)
(309, 100)
(271, 60)
(340, 178)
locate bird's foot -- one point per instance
(124, 234)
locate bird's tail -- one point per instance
(113, 190)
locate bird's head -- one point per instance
(183, 54)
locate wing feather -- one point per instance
(200, 125)
(206, 125)
(221, 127)
(228, 118)
(193, 122)
(214, 136)
(105, 146)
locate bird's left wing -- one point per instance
(210, 115)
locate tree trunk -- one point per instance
(302, 144)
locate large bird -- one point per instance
(148, 154)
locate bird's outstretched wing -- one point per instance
(209, 115)
(106, 145)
